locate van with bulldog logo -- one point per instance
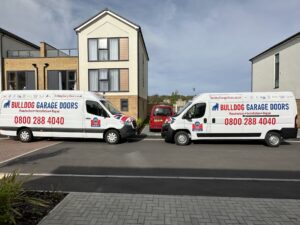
(268, 116)
(68, 114)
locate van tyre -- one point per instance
(25, 135)
(273, 139)
(182, 138)
(112, 137)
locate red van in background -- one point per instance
(159, 113)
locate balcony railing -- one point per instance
(61, 52)
(36, 53)
(23, 53)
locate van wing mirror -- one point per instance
(187, 116)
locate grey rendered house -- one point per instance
(278, 68)
(10, 43)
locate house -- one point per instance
(278, 68)
(12, 42)
(45, 68)
(113, 61)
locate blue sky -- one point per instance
(191, 43)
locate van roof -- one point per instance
(243, 95)
(58, 93)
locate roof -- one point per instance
(115, 15)
(7, 33)
(275, 46)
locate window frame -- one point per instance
(67, 78)
(121, 107)
(8, 81)
(108, 77)
(108, 49)
(276, 72)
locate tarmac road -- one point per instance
(232, 169)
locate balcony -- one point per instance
(36, 54)
(23, 54)
(61, 52)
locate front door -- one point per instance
(196, 120)
(95, 119)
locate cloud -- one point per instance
(192, 44)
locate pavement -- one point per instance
(119, 209)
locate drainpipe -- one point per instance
(1, 64)
(37, 75)
(45, 66)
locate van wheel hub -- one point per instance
(182, 139)
(274, 140)
(112, 137)
(24, 135)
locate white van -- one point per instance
(72, 114)
(269, 116)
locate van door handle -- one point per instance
(213, 120)
(87, 118)
(205, 120)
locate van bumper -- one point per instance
(167, 132)
(127, 131)
(289, 133)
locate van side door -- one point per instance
(195, 120)
(95, 119)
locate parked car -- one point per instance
(267, 116)
(159, 113)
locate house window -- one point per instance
(108, 80)
(124, 105)
(21, 80)
(61, 80)
(107, 49)
(277, 70)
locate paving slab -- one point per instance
(10, 148)
(150, 134)
(109, 208)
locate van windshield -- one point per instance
(162, 111)
(183, 108)
(110, 107)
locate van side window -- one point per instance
(95, 108)
(197, 111)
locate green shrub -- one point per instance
(12, 196)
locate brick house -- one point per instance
(113, 61)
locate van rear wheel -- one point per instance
(25, 135)
(182, 138)
(273, 139)
(112, 137)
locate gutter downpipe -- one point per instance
(1, 64)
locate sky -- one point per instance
(192, 44)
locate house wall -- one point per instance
(132, 102)
(263, 69)
(21, 64)
(9, 43)
(106, 27)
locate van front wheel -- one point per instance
(25, 135)
(273, 139)
(182, 138)
(112, 137)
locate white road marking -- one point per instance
(159, 177)
(293, 141)
(34, 150)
